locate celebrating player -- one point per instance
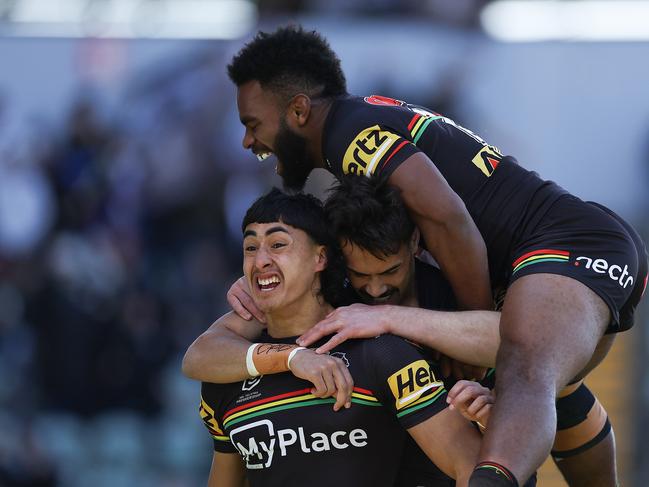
(273, 425)
(574, 271)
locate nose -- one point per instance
(375, 288)
(248, 140)
(262, 258)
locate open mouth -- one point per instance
(267, 284)
(262, 156)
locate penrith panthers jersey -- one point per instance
(374, 135)
(288, 437)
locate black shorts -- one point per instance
(589, 243)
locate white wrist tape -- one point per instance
(291, 355)
(250, 364)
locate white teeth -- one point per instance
(263, 156)
(270, 280)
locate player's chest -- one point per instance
(277, 419)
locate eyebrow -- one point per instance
(252, 233)
(247, 119)
(380, 273)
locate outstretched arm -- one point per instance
(468, 336)
(449, 231)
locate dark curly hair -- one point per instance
(305, 212)
(290, 61)
(369, 213)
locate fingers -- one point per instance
(251, 307)
(477, 404)
(324, 328)
(239, 299)
(329, 376)
(484, 414)
(456, 389)
(332, 343)
(319, 386)
(238, 307)
(344, 387)
(471, 399)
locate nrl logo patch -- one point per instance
(251, 383)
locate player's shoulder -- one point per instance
(389, 345)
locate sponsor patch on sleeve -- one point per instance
(413, 384)
(487, 160)
(209, 419)
(367, 150)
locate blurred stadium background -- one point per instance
(123, 182)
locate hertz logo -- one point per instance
(411, 382)
(366, 150)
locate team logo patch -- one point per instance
(487, 160)
(412, 383)
(367, 149)
(342, 356)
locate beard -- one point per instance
(391, 296)
(291, 151)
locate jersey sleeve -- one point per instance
(404, 380)
(372, 149)
(212, 395)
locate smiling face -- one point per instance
(268, 132)
(386, 280)
(281, 264)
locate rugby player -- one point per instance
(574, 271)
(273, 426)
(379, 243)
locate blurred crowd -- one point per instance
(115, 253)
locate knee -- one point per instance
(582, 423)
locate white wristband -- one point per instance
(291, 355)
(250, 364)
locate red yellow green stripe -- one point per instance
(422, 402)
(414, 119)
(420, 127)
(398, 148)
(291, 400)
(538, 256)
(499, 469)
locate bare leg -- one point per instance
(550, 327)
(594, 467)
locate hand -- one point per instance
(241, 302)
(472, 400)
(329, 376)
(355, 321)
(460, 370)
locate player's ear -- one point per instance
(321, 258)
(414, 240)
(299, 109)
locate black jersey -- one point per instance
(374, 135)
(288, 437)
